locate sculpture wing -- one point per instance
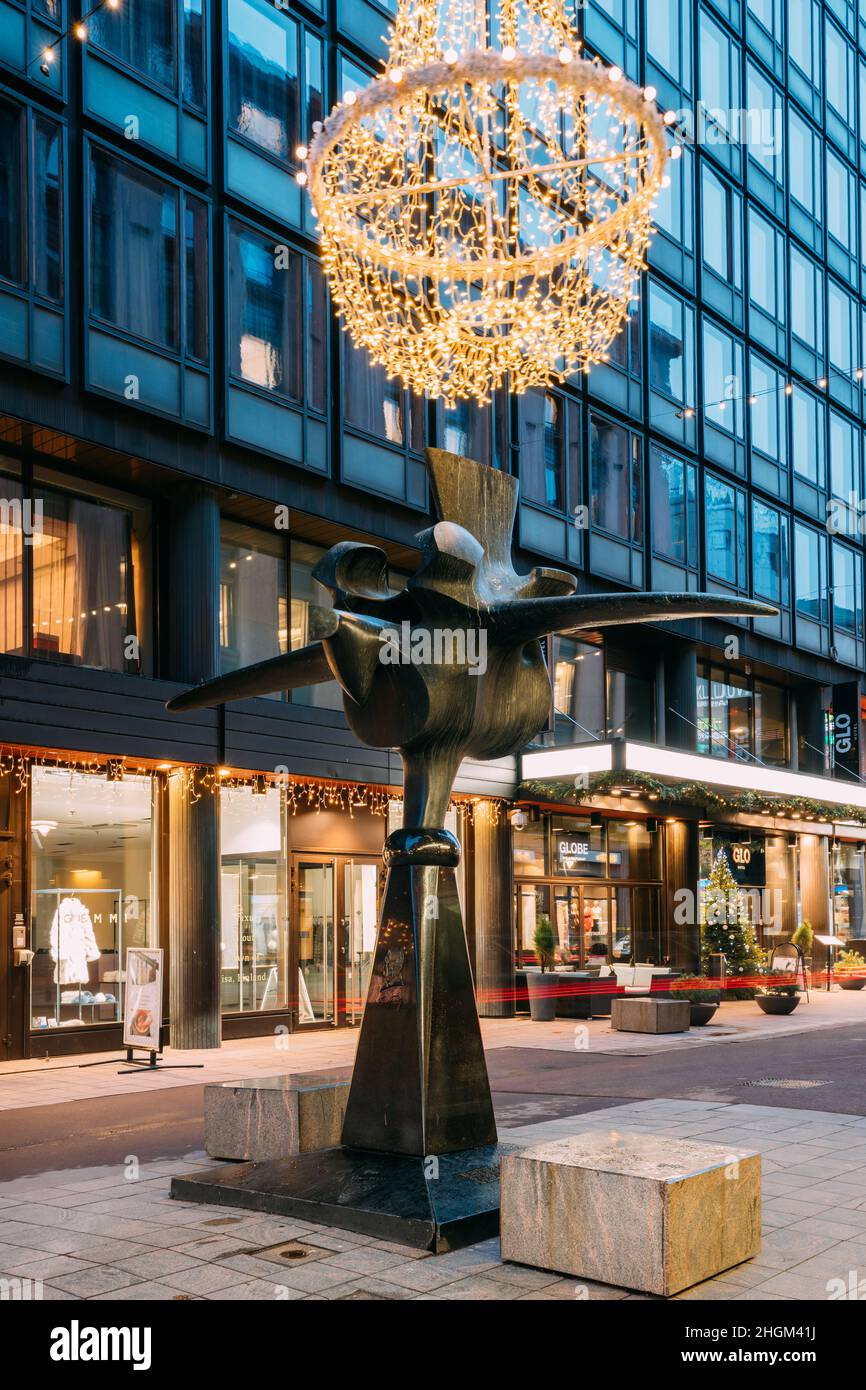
(524, 619)
(306, 666)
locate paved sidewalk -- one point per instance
(39, 1082)
(112, 1233)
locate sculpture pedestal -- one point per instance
(433, 1204)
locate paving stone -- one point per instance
(203, 1278)
(96, 1279)
(155, 1264)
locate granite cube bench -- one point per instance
(268, 1117)
(652, 1214)
(630, 1014)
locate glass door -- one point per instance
(359, 914)
(315, 917)
(598, 921)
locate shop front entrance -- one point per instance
(335, 904)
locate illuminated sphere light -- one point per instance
(484, 213)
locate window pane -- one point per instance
(810, 573)
(615, 479)
(716, 224)
(47, 209)
(254, 928)
(141, 33)
(196, 238)
(724, 715)
(771, 723)
(371, 401)
(305, 590)
(633, 851)
(467, 429)
(13, 517)
(808, 431)
(766, 275)
(253, 609)
(769, 553)
(193, 53)
(578, 692)
(11, 200)
(673, 508)
(630, 706)
(92, 892)
(670, 345)
(317, 338)
(805, 172)
(542, 453)
(83, 605)
(133, 250)
(264, 315)
(721, 529)
(768, 413)
(847, 590)
(263, 76)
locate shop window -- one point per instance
(254, 938)
(529, 849)
(80, 565)
(616, 480)
(577, 847)
(725, 529)
(633, 851)
(771, 724)
(253, 601)
(849, 891)
(304, 591)
(770, 554)
(578, 691)
(92, 893)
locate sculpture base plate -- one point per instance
(395, 1197)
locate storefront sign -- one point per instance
(741, 855)
(142, 1012)
(846, 727)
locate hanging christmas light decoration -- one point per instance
(485, 210)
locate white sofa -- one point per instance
(635, 979)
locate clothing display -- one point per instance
(72, 942)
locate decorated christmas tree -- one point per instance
(726, 927)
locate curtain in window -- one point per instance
(11, 567)
(370, 400)
(134, 252)
(82, 581)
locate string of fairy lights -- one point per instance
(78, 29)
(751, 398)
(300, 794)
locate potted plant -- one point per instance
(803, 938)
(778, 999)
(703, 1001)
(850, 970)
(541, 985)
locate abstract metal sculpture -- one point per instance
(420, 1082)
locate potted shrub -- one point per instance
(850, 970)
(803, 937)
(541, 985)
(703, 1001)
(778, 999)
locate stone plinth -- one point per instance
(654, 1214)
(644, 1015)
(269, 1117)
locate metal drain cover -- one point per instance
(288, 1250)
(785, 1083)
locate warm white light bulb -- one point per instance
(565, 54)
(301, 178)
(350, 98)
(676, 152)
(649, 93)
(396, 75)
(615, 74)
(450, 55)
(301, 152)
(509, 54)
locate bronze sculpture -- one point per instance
(420, 1084)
